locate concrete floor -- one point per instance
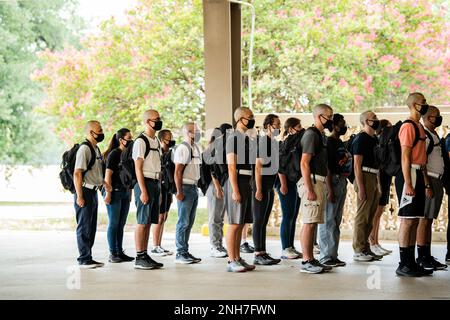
(39, 265)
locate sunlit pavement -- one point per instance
(40, 265)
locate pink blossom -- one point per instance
(396, 83)
(343, 83)
(358, 99)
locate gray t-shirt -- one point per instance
(311, 144)
(95, 175)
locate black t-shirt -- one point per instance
(240, 144)
(365, 145)
(315, 143)
(112, 163)
(265, 148)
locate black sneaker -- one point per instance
(405, 271)
(246, 248)
(425, 262)
(91, 264)
(340, 263)
(114, 258)
(325, 267)
(330, 263)
(144, 262)
(125, 258)
(265, 260)
(196, 260)
(422, 270)
(274, 260)
(372, 254)
(437, 265)
(447, 258)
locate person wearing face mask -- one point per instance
(146, 154)
(167, 186)
(338, 157)
(366, 169)
(239, 196)
(263, 181)
(287, 191)
(435, 171)
(118, 199)
(311, 187)
(412, 185)
(187, 161)
(87, 182)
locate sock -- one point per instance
(404, 256)
(141, 253)
(428, 249)
(412, 254)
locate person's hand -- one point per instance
(409, 190)
(219, 193)
(284, 189)
(361, 194)
(311, 196)
(429, 193)
(108, 198)
(80, 201)
(331, 197)
(180, 196)
(107, 186)
(236, 197)
(258, 195)
(144, 198)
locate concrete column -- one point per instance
(222, 40)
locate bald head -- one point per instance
(92, 125)
(242, 112)
(150, 115)
(415, 97)
(322, 109)
(366, 115)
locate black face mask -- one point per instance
(437, 122)
(342, 130)
(375, 124)
(328, 124)
(171, 143)
(250, 123)
(423, 109)
(157, 126)
(100, 136)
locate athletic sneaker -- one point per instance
(217, 253)
(311, 266)
(235, 266)
(196, 260)
(114, 258)
(330, 263)
(316, 249)
(289, 253)
(144, 262)
(362, 257)
(430, 263)
(384, 249)
(158, 251)
(340, 263)
(437, 265)
(168, 252)
(124, 257)
(423, 271)
(406, 271)
(90, 264)
(248, 267)
(246, 248)
(183, 258)
(265, 260)
(374, 255)
(377, 250)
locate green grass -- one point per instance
(61, 224)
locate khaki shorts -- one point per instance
(312, 211)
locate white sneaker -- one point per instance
(168, 252)
(383, 249)
(216, 253)
(377, 250)
(158, 251)
(362, 257)
(289, 253)
(300, 255)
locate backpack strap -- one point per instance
(416, 132)
(148, 148)
(431, 145)
(93, 155)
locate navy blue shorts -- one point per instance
(148, 213)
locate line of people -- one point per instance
(239, 172)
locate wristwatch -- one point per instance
(428, 186)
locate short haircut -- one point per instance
(239, 112)
(363, 117)
(431, 109)
(186, 126)
(320, 108)
(413, 98)
(163, 133)
(90, 124)
(337, 117)
(148, 114)
(269, 119)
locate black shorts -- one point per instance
(416, 209)
(385, 184)
(240, 213)
(166, 201)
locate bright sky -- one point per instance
(95, 11)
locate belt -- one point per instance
(370, 170)
(435, 175)
(189, 182)
(319, 178)
(244, 172)
(418, 166)
(154, 176)
(91, 186)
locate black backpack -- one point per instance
(446, 177)
(221, 169)
(68, 165)
(349, 146)
(390, 151)
(290, 155)
(127, 171)
(168, 173)
(205, 170)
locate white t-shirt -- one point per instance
(95, 175)
(435, 162)
(182, 156)
(152, 164)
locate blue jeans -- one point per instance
(290, 205)
(186, 217)
(117, 216)
(86, 224)
(329, 232)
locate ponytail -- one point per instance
(115, 141)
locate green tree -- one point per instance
(27, 27)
